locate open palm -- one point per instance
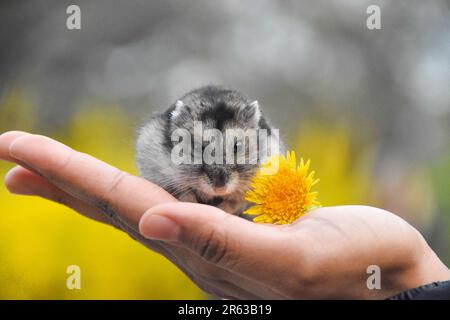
(324, 254)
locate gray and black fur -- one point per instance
(221, 185)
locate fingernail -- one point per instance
(11, 146)
(5, 141)
(158, 227)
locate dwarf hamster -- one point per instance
(221, 184)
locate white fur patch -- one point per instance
(255, 105)
(178, 105)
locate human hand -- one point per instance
(324, 254)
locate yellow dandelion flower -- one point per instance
(285, 195)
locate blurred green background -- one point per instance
(369, 108)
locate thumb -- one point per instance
(214, 235)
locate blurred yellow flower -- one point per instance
(284, 196)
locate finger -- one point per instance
(11, 150)
(131, 196)
(5, 141)
(219, 238)
(85, 177)
(24, 182)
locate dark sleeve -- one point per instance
(432, 291)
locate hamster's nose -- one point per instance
(218, 177)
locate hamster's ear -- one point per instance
(180, 111)
(251, 113)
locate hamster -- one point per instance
(217, 183)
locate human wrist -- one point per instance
(426, 268)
